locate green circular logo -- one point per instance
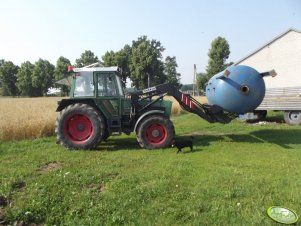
(282, 215)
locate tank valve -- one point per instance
(244, 89)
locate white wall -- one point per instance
(283, 55)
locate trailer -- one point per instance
(286, 99)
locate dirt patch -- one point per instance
(18, 185)
(96, 187)
(49, 166)
(112, 175)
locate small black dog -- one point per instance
(183, 143)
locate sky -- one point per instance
(48, 29)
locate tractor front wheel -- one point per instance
(155, 131)
(79, 126)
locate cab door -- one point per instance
(108, 98)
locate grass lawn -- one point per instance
(234, 174)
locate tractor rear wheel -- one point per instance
(79, 126)
(155, 131)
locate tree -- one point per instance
(120, 59)
(142, 63)
(170, 70)
(25, 79)
(201, 80)
(60, 72)
(109, 59)
(187, 87)
(8, 78)
(42, 76)
(146, 67)
(86, 58)
(218, 54)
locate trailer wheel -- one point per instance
(79, 126)
(155, 131)
(292, 117)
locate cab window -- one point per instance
(84, 84)
(107, 84)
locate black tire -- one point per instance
(106, 135)
(79, 126)
(155, 131)
(292, 117)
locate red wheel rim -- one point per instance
(78, 128)
(156, 133)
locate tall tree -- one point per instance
(170, 70)
(218, 54)
(25, 79)
(42, 76)
(109, 59)
(60, 72)
(146, 66)
(86, 58)
(8, 78)
(120, 59)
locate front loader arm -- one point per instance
(210, 113)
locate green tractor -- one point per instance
(99, 108)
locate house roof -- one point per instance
(270, 42)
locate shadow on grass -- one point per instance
(115, 144)
(283, 138)
(275, 118)
(271, 119)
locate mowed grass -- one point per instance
(234, 174)
(28, 118)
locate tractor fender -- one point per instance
(152, 112)
(66, 102)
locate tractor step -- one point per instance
(115, 126)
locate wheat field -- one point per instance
(29, 118)
(23, 118)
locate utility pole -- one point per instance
(194, 80)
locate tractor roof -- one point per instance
(96, 69)
(67, 81)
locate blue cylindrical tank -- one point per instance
(238, 89)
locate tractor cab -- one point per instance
(96, 82)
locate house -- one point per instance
(283, 53)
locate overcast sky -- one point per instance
(48, 29)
